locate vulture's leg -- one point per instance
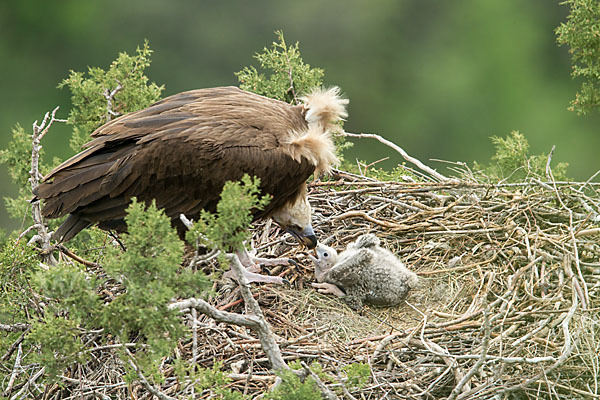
(328, 288)
(251, 267)
(248, 260)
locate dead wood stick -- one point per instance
(143, 379)
(403, 153)
(43, 236)
(262, 328)
(75, 257)
(329, 395)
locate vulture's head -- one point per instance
(295, 218)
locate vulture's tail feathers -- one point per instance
(69, 228)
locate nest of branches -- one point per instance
(506, 307)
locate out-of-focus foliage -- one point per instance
(513, 163)
(91, 97)
(398, 174)
(581, 32)
(288, 77)
(17, 158)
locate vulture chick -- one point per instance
(364, 273)
(181, 150)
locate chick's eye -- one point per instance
(325, 254)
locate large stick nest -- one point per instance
(507, 304)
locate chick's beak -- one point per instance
(306, 237)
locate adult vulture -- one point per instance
(181, 150)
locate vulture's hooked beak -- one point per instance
(305, 236)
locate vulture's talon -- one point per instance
(292, 262)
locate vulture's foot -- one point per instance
(328, 288)
(248, 260)
(255, 277)
(252, 268)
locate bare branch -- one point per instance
(75, 257)
(14, 327)
(143, 379)
(20, 393)
(475, 369)
(403, 153)
(39, 131)
(221, 316)
(329, 395)
(109, 96)
(263, 330)
(15, 371)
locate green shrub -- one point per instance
(513, 163)
(125, 77)
(289, 76)
(581, 33)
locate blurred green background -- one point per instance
(436, 77)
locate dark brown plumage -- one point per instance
(181, 150)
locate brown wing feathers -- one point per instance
(180, 151)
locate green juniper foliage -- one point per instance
(213, 382)
(59, 345)
(358, 375)
(513, 163)
(125, 77)
(18, 262)
(17, 158)
(289, 78)
(581, 32)
(228, 228)
(72, 291)
(292, 388)
(151, 275)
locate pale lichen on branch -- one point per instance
(43, 236)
